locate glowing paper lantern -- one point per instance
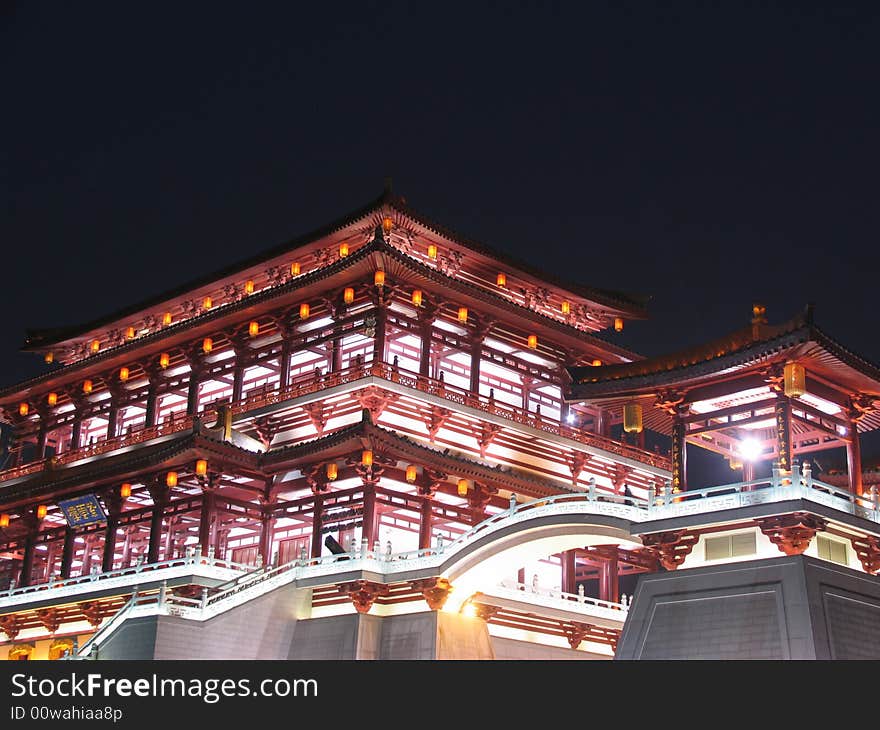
(41, 511)
(294, 268)
(249, 286)
(171, 479)
(795, 378)
(387, 224)
(343, 250)
(566, 308)
(52, 399)
(23, 409)
(207, 345)
(462, 487)
(348, 295)
(96, 345)
(125, 490)
(533, 341)
(332, 471)
(201, 467)
(501, 280)
(254, 329)
(632, 418)
(411, 473)
(49, 358)
(166, 319)
(87, 386)
(207, 303)
(304, 311)
(379, 278)
(123, 374)
(618, 324)
(367, 458)
(417, 297)
(4, 520)
(462, 314)
(164, 359)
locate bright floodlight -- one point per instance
(749, 449)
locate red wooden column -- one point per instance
(32, 525)
(317, 524)
(782, 415)
(153, 373)
(369, 515)
(569, 583)
(159, 493)
(427, 314)
(67, 552)
(113, 503)
(206, 517)
(266, 529)
(679, 453)
(425, 524)
(381, 326)
(608, 578)
(854, 455)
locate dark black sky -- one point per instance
(709, 157)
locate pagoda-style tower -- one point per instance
(377, 387)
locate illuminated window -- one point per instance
(833, 550)
(731, 546)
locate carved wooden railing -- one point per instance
(309, 383)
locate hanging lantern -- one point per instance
(501, 280)
(171, 479)
(125, 490)
(129, 333)
(597, 362)
(566, 308)
(207, 345)
(618, 324)
(123, 374)
(207, 303)
(166, 319)
(96, 345)
(303, 311)
(52, 399)
(533, 341)
(411, 473)
(4, 520)
(795, 379)
(294, 268)
(348, 295)
(343, 250)
(41, 511)
(632, 418)
(462, 487)
(367, 458)
(379, 278)
(332, 471)
(49, 358)
(254, 329)
(201, 467)
(462, 314)
(432, 251)
(23, 409)
(87, 386)
(249, 286)
(387, 224)
(164, 359)
(417, 297)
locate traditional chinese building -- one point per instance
(384, 440)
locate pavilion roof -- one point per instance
(630, 305)
(751, 348)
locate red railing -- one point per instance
(313, 383)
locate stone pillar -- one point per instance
(782, 414)
(67, 552)
(425, 524)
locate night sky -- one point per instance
(707, 157)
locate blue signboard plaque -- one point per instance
(83, 510)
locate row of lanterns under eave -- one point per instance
(201, 469)
(411, 472)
